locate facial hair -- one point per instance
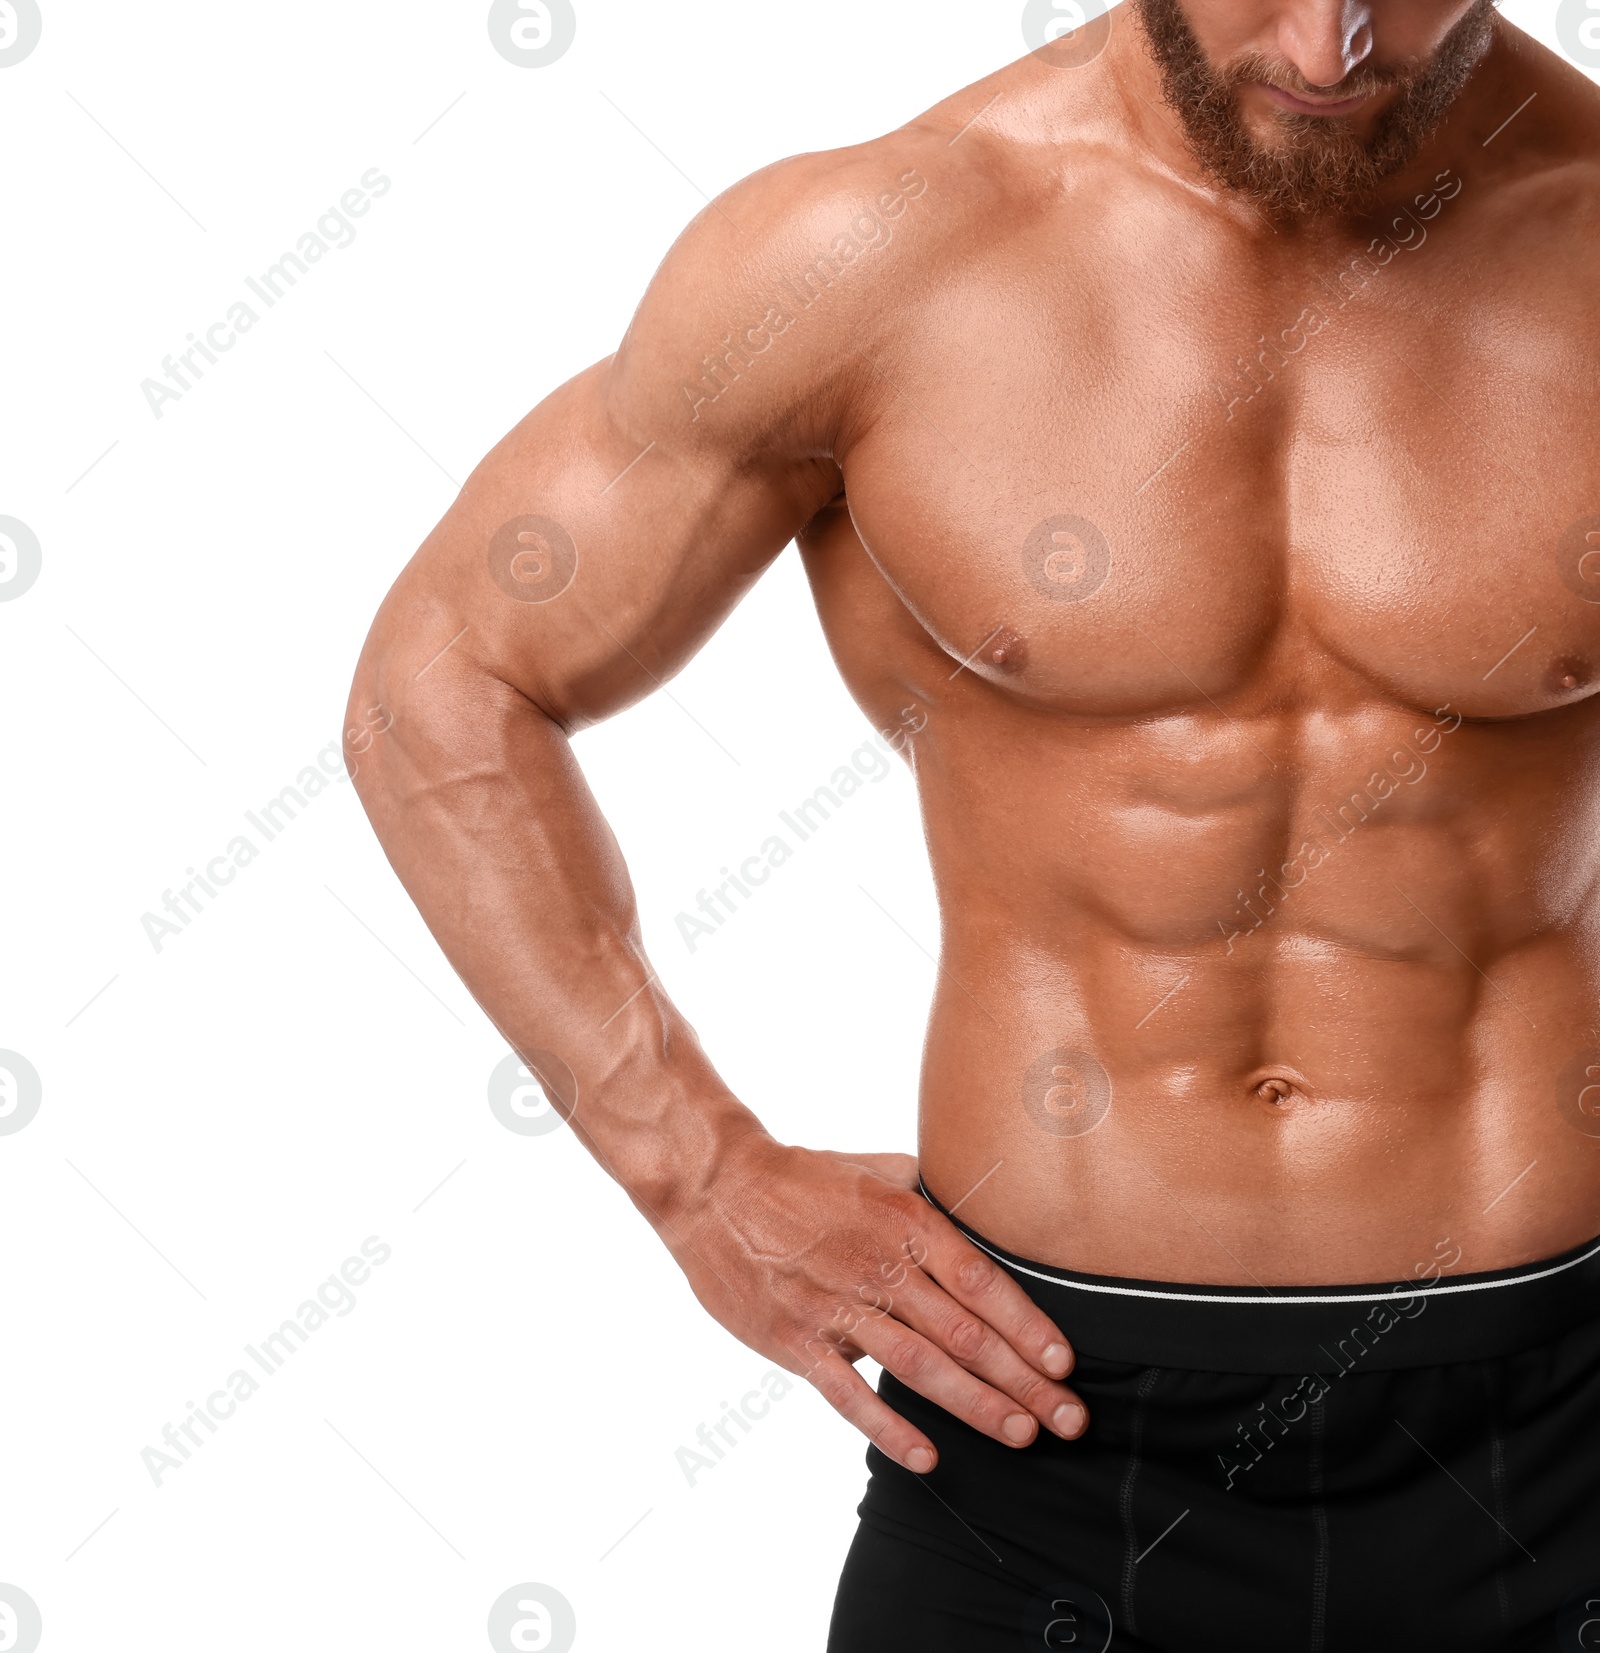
(1319, 166)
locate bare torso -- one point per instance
(1263, 793)
(1227, 586)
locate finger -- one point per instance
(979, 1347)
(855, 1400)
(925, 1367)
(978, 1283)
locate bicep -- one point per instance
(606, 537)
(595, 549)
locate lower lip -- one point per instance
(1299, 106)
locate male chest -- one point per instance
(1134, 475)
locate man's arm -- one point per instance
(587, 558)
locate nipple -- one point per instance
(1568, 674)
(1005, 649)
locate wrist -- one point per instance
(667, 1135)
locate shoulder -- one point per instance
(767, 309)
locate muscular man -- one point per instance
(1191, 444)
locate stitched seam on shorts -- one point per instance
(1497, 1479)
(1319, 1526)
(1130, 1558)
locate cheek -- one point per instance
(1416, 29)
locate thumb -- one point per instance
(900, 1169)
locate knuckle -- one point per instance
(908, 1360)
(904, 1217)
(832, 1385)
(1036, 1393)
(909, 1215)
(968, 1339)
(976, 1274)
(819, 1354)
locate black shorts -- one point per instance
(1351, 1469)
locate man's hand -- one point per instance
(818, 1259)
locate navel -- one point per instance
(1278, 1085)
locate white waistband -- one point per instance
(1400, 1289)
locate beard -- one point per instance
(1319, 165)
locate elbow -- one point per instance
(366, 721)
(369, 712)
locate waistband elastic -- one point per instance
(1427, 1321)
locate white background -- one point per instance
(225, 1120)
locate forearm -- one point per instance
(484, 813)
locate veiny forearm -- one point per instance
(484, 813)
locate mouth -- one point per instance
(1326, 107)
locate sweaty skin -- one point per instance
(1222, 579)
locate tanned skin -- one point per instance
(1325, 540)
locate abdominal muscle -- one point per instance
(1172, 1041)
